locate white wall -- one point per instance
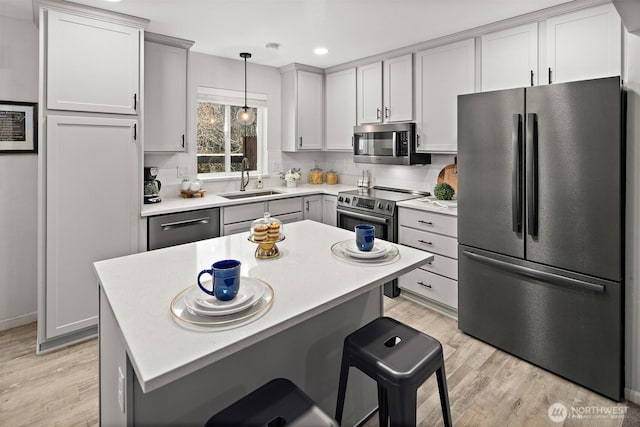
(18, 188)
(222, 73)
(632, 290)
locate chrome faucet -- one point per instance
(244, 166)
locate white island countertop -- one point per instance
(307, 280)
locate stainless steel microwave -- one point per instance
(387, 144)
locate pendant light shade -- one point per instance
(245, 115)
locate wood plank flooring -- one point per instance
(487, 387)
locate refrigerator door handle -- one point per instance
(532, 174)
(556, 279)
(516, 189)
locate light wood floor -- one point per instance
(487, 387)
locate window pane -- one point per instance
(210, 130)
(238, 129)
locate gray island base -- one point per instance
(155, 371)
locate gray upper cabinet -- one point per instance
(165, 81)
(302, 108)
(385, 91)
(80, 76)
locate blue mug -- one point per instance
(365, 236)
(225, 279)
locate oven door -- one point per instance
(385, 230)
(349, 218)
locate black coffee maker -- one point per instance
(151, 185)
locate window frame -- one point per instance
(229, 97)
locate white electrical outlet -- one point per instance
(275, 166)
(121, 389)
(181, 171)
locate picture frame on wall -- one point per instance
(18, 127)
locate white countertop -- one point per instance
(307, 280)
(210, 200)
(424, 204)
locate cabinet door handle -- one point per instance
(135, 131)
(425, 242)
(550, 75)
(307, 206)
(531, 77)
(300, 141)
(417, 140)
(386, 112)
(424, 285)
(352, 142)
(183, 140)
(135, 101)
(377, 114)
(425, 222)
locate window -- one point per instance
(222, 142)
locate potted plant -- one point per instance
(291, 177)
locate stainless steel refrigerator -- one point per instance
(541, 227)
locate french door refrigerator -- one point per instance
(540, 227)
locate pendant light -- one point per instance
(245, 116)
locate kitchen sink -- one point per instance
(249, 194)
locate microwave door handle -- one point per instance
(394, 144)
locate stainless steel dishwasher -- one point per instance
(184, 227)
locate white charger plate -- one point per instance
(206, 305)
(380, 248)
(391, 256)
(184, 316)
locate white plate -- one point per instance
(191, 320)
(391, 256)
(380, 248)
(250, 292)
(246, 292)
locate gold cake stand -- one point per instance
(267, 249)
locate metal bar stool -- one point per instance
(277, 403)
(399, 358)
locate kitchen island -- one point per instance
(156, 370)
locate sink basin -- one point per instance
(248, 194)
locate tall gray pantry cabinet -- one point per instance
(89, 161)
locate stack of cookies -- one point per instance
(260, 233)
(273, 232)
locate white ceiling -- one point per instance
(350, 29)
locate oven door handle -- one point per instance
(375, 219)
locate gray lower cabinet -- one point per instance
(312, 206)
(436, 282)
(238, 219)
(329, 205)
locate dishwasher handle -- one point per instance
(185, 223)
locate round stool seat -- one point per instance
(277, 403)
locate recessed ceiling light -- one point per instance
(320, 51)
(272, 45)
(113, 1)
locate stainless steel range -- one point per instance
(375, 206)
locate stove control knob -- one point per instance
(380, 206)
(340, 199)
(347, 200)
(388, 207)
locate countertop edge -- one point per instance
(178, 204)
(418, 204)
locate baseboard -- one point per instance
(632, 395)
(433, 305)
(14, 322)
